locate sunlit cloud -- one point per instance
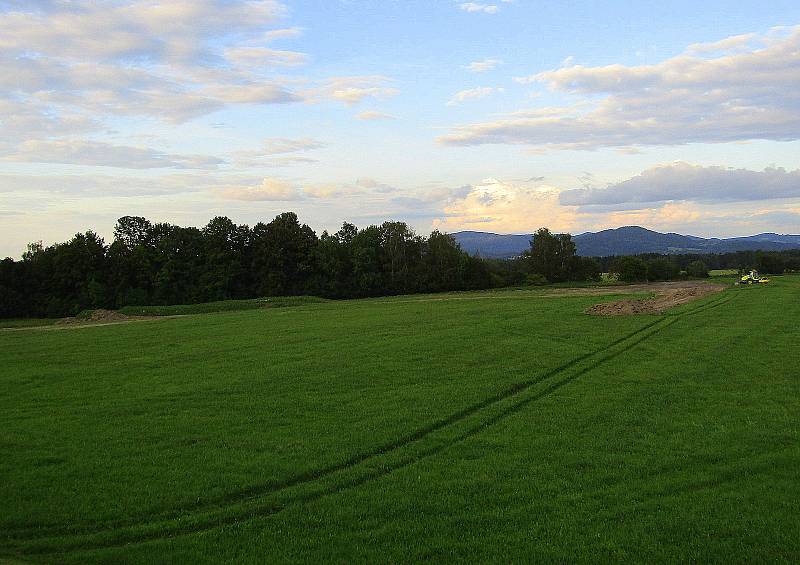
(743, 95)
(270, 189)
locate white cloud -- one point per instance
(180, 31)
(372, 115)
(278, 152)
(96, 185)
(286, 33)
(174, 61)
(478, 8)
(727, 44)
(278, 145)
(484, 65)
(685, 182)
(506, 207)
(270, 189)
(264, 56)
(353, 89)
(374, 185)
(82, 152)
(473, 94)
(744, 95)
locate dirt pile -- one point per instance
(666, 298)
(96, 317)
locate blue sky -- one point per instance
(495, 115)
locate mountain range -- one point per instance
(628, 240)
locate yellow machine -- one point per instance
(753, 278)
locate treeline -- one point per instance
(161, 263)
(655, 267)
(164, 264)
(552, 258)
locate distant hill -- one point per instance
(628, 240)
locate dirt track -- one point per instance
(667, 296)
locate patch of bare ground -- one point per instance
(95, 317)
(668, 295)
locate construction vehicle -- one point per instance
(753, 278)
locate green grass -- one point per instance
(220, 306)
(25, 322)
(722, 272)
(502, 426)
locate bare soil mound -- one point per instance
(96, 317)
(666, 298)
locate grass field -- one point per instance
(505, 426)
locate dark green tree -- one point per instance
(551, 255)
(630, 269)
(662, 269)
(697, 270)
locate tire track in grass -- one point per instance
(316, 474)
(376, 463)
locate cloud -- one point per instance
(484, 65)
(279, 145)
(278, 152)
(472, 94)
(270, 189)
(100, 185)
(727, 44)
(500, 206)
(75, 64)
(744, 95)
(181, 31)
(685, 182)
(253, 94)
(478, 8)
(374, 185)
(286, 33)
(372, 115)
(264, 56)
(19, 120)
(323, 190)
(96, 153)
(352, 90)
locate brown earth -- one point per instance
(96, 317)
(667, 296)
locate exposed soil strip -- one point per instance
(665, 298)
(225, 511)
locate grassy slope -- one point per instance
(25, 322)
(678, 443)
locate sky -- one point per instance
(499, 115)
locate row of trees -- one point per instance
(160, 263)
(654, 267)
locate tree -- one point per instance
(550, 255)
(583, 269)
(442, 263)
(662, 269)
(630, 269)
(367, 255)
(697, 270)
(283, 256)
(132, 231)
(401, 253)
